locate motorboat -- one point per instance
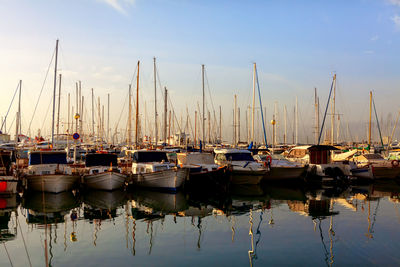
(151, 168)
(280, 167)
(203, 171)
(102, 172)
(375, 166)
(241, 164)
(48, 171)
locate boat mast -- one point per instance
(130, 117)
(80, 108)
(108, 118)
(275, 119)
(316, 115)
(297, 122)
(165, 114)
(54, 94)
(234, 119)
(93, 115)
(68, 124)
(195, 127)
(18, 120)
(333, 112)
(238, 124)
(99, 123)
(137, 105)
(169, 128)
(155, 102)
(209, 127)
(370, 119)
(58, 108)
(285, 133)
(203, 118)
(220, 124)
(254, 102)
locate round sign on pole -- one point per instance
(75, 136)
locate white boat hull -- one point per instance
(105, 181)
(8, 185)
(285, 173)
(170, 179)
(53, 183)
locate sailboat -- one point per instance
(373, 165)
(48, 171)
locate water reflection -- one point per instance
(48, 208)
(255, 225)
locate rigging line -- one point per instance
(47, 112)
(262, 113)
(326, 110)
(211, 100)
(23, 239)
(377, 121)
(16, 90)
(12, 124)
(120, 115)
(41, 90)
(8, 255)
(134, 75)
(209, 91)
(169, 101)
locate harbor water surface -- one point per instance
(248, 226)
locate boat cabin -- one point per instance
(222, 155)
(144, 156)
(47, 157)
(320, 154)
(195, 158)
(101, 159)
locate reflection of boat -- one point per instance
(152, 169)
(102, 172)
(8, 205)
(284, 193)
(149, 203)
(246, 190)
(99, 199)
(48, 207)
(48, 171)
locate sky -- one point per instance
(297, 45)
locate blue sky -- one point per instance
(297, 45)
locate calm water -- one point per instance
(250, 226)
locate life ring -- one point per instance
(268, 160)
(395, 163)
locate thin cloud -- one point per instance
(394, 2)
(374, 38)
(119, 5)
(396, 20)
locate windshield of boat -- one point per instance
(48, 158)
(274, 156)
(101, 159)
(239, 157)
(146, 156)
